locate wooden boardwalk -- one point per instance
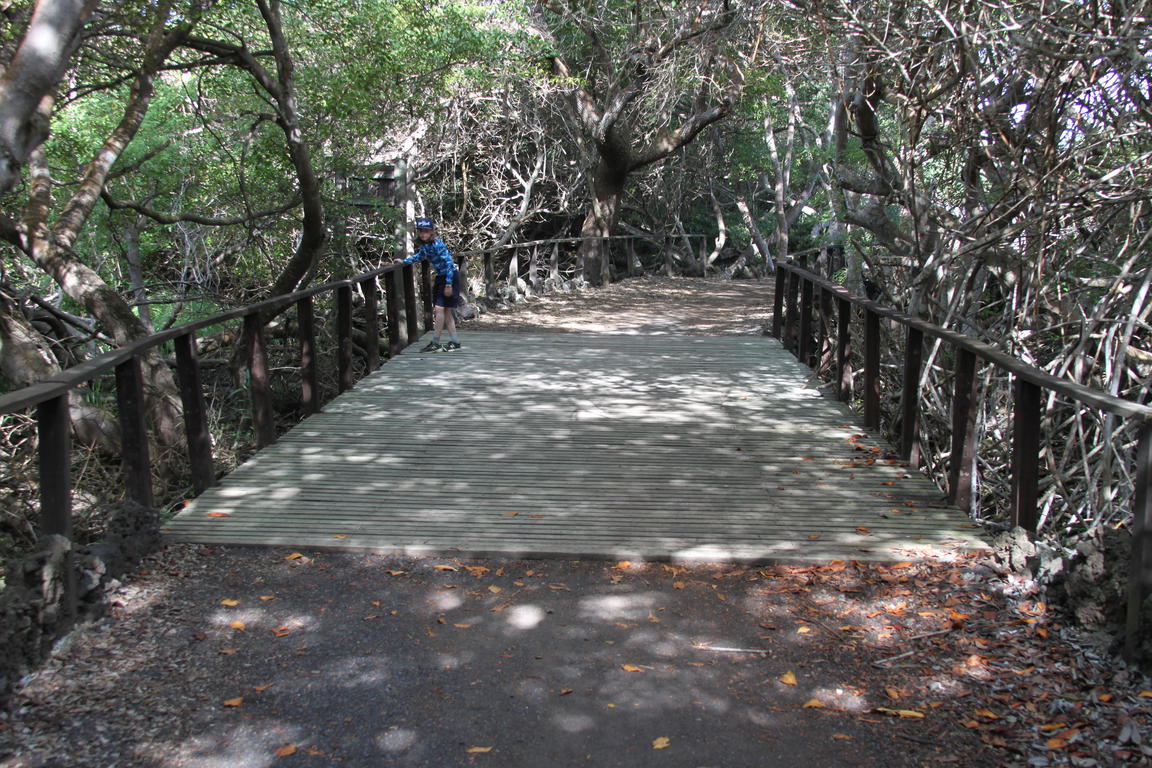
(584, 445)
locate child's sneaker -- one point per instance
(432, 346)
(451, 346)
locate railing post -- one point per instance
(1140, 565)
(778, 302)
(804, 342)
(54, 425)
(344, 337)
(135, 465)
(823, 302)
(791, 313)
(910, 397)
(632, 262)
(394, 301)
(409, 280)
(1025, 454)
(554, 264)
(963, 430)
(843, 349)
(309, 382)
(461, 281)
(371, 325)
(258, 388)
(871, 369)
(196, 433)
(514, 268)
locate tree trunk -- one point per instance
(281, 89)
(136, 272)
(607, 190)
(757, 238)
(30, 78)
(314, 235)
(51, 246)
(721, 229)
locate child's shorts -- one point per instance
(438, 297)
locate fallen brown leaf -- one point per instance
(908, 713)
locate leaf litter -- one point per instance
(941, 655)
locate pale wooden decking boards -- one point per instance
(583, 445)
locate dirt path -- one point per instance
(648, 305)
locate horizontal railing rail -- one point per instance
(792, 323)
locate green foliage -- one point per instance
(365, 71)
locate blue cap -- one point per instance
(425, 223)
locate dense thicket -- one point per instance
(985, 165)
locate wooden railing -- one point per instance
(50, 397)
(797, 292)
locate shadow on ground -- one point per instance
(251, 658)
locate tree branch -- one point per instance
(210, 221)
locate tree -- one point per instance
(1000, 168)
(48, 237)
(642, 81)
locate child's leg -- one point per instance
(438, 321)
(449, 321)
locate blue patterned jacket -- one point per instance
(436, 254)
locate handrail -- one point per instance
(1071, 389)
(794, 302)
(49, 397)
(70, 378)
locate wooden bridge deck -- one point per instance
(584, 445)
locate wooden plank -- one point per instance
(662, 447)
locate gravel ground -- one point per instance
(258, 657)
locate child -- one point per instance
(445, 290)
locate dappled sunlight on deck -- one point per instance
(686, 448)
